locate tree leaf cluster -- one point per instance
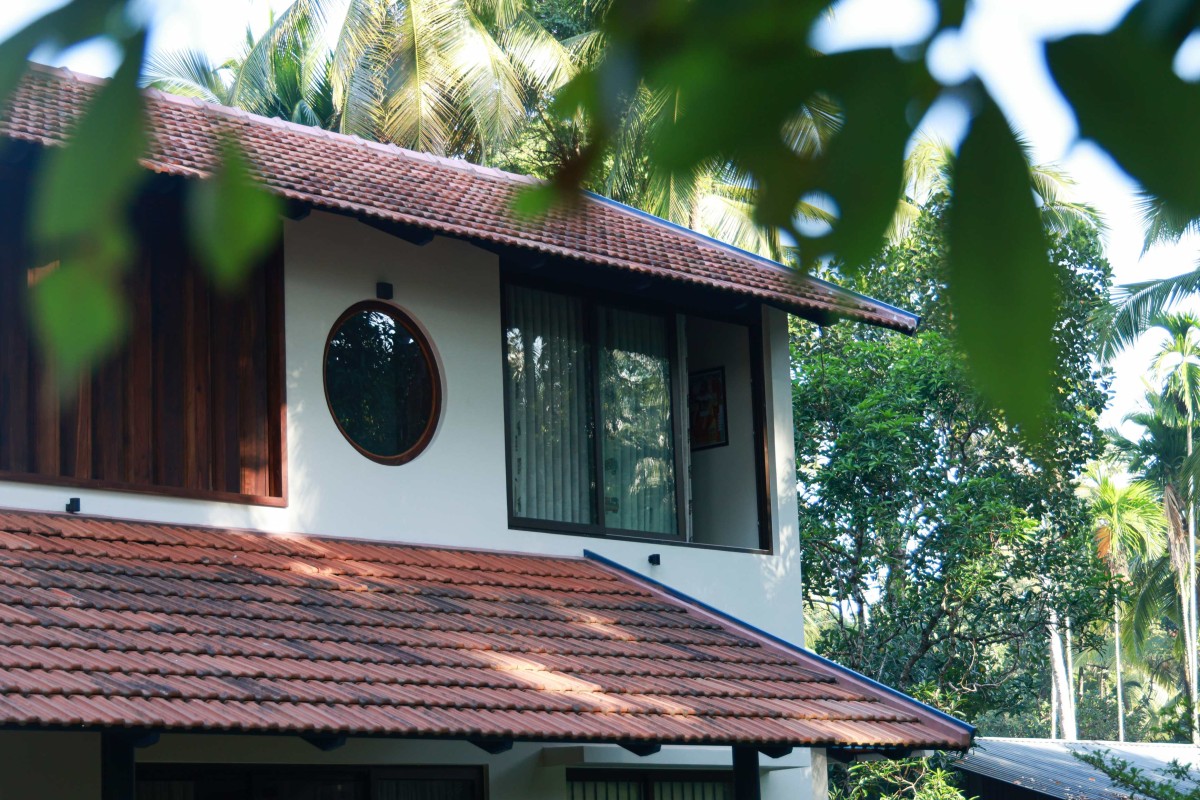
(1181, 782)
(938, 540)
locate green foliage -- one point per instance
(937, 540)
(1181, 782)
(902, 779)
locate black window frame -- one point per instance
(366, 777)
(647, 777)
(672, 314)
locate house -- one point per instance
(1047, 769)
(417, 513)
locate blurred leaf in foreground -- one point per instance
(1153, 132)
(82, 194)
(1001, 284)
(232, 222)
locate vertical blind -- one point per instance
(551, 434)
(651, 786)
(581, 377)
(639, 452)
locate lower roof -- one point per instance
(1049, 766)
(106, 623)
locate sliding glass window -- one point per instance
(591, 417)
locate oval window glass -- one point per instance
(381, 382)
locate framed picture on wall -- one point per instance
(707, 417)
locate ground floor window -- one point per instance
(237, 782)
(602, 784)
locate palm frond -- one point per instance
(545, 63)
(188, 73)
(1139, 304)
(586, 49)
(486, 83)
(1163, 224)
(418, 108)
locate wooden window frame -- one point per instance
(435, 377)
(591, 299)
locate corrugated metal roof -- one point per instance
(448, 196)
(108, 623)
(1048, 766)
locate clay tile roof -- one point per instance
(112, 623)
(448, 196)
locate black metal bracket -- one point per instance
(642, 749)
(325, 741)
(775, 751)
(493, 746)
(846, 755)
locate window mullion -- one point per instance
(596, 336)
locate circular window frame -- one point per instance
(435, 377)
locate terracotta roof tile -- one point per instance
(448, 196)
(106, 623)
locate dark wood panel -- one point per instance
(139, 371)
(193, 405)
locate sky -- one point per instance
(1000, 43)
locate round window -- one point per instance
(381, 382)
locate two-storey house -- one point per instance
(444, 504)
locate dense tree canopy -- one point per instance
(939, 544)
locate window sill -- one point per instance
(160, 491)
(542, 526)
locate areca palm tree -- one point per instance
(1178, 361)
(1129, 526)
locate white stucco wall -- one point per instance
(452, 494)
(455, 492)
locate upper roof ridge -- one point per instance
(311, 165)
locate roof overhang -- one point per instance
(107, 624)
(388, 185)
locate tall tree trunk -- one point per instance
(1073, 684)
(1053, 702)
(1062, 680)
(1120, 687)
(1190, 622)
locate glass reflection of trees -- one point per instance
(380, 383)
(554, 421)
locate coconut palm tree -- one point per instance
(1129, 526)
(294, 84)
(1136, 305)
(450, 77)
(929, 172)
